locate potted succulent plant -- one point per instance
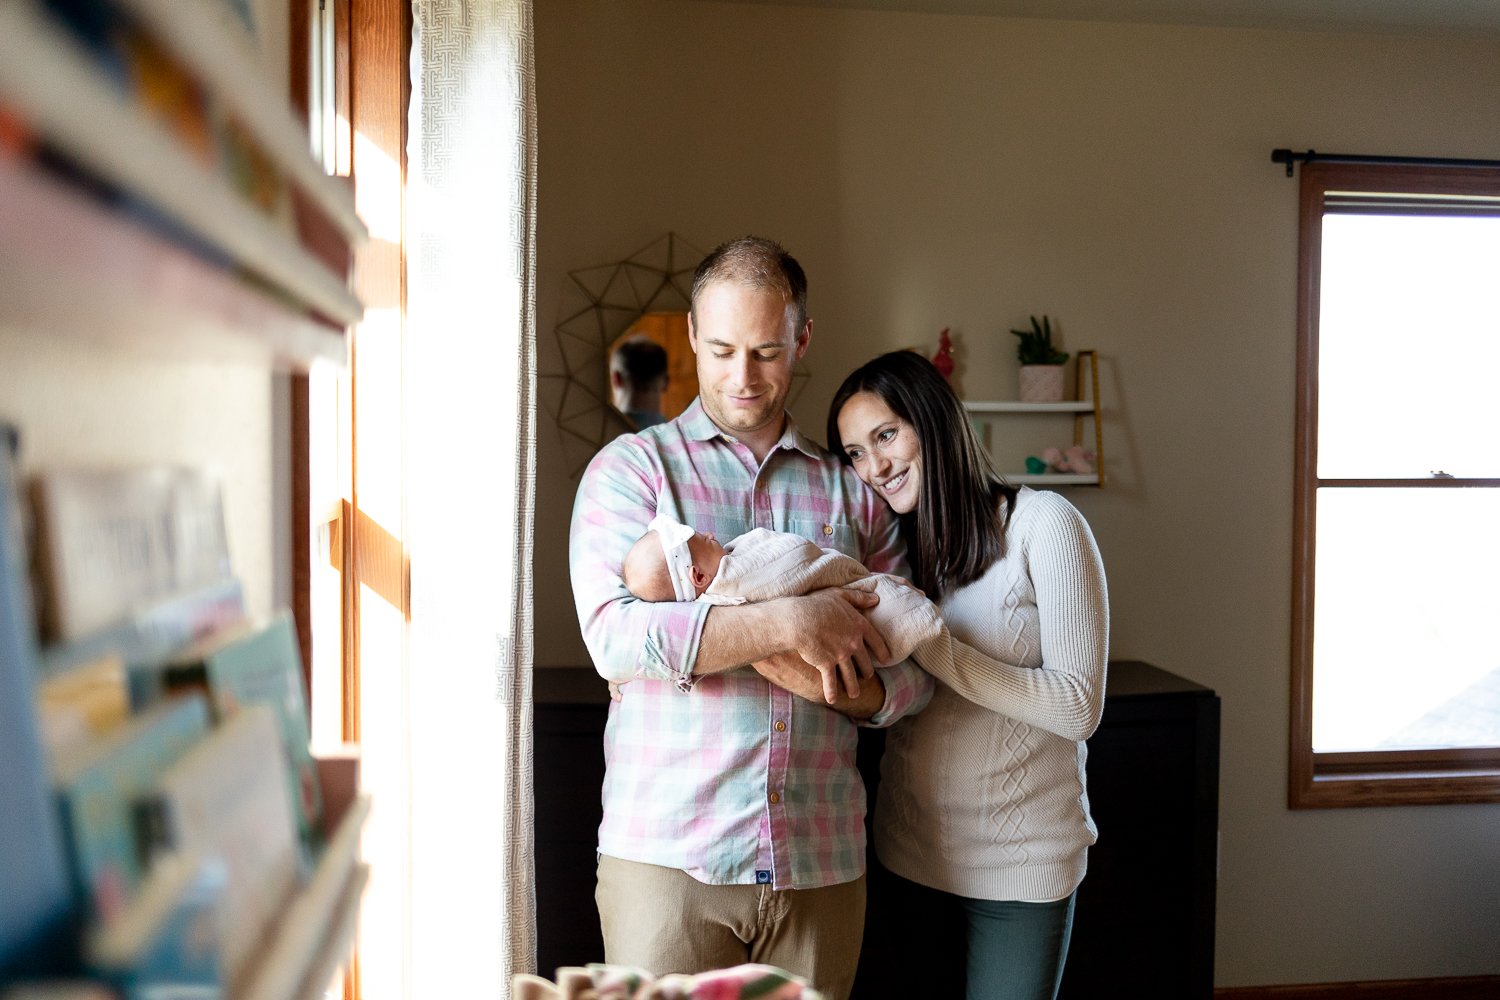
(1041, 363)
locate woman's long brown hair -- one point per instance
(956, 531)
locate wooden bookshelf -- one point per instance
(72, 266)
(117, 231)
(71, 103)
(315, 933)
(222, 54)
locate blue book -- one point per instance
(150, 636)
(98, 783)
(36, 904)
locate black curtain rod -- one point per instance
(1291, 159)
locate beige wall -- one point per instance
(77, 404)
(936, 171)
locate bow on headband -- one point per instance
(674, 542)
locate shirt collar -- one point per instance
(697, 426)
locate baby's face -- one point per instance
(707, 553)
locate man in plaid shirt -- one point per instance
(733, 813)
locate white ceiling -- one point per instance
(1444, 16)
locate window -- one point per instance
(1396, 561)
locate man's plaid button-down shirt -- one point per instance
(725, 777)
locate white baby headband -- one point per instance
(674, 542)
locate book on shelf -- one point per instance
(166, 944)
(227, 798)
(149, 636)
(36, 901)
(111, 541)
(259, 663)
(83, 702)
(97, 785)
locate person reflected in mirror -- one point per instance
(672, 562)
(637, 379)
(733, 822)
(982, 808)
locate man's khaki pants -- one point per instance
(664, 920)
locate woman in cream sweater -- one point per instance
(982, 797)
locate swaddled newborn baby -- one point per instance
(672, 562)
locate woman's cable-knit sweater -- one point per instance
(982, 793)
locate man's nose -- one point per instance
(743, 371)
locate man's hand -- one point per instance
(789, 672)
(830, 634)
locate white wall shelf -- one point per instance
(1012, 406)
(1084, 407)
(1048, 479)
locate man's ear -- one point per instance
(803, 340)
(692, 333)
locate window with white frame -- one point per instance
(1396, 591)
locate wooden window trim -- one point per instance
(1371, 778)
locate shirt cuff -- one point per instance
(673, 636)
(908, 689)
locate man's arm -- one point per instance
(825, 631)
(628, 638)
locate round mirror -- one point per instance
(652, 375)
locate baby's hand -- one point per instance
(616, 692)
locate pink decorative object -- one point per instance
(943, 359)
(1076, 459)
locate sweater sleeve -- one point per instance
(1065, 695)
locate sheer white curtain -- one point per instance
(470, 395)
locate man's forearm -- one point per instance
(735, 635)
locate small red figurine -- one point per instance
(943, 359)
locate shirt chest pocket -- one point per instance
(829, 534)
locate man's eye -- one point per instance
(723, 357)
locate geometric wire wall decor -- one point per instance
(599, 304)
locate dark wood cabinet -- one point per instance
(1144, 923)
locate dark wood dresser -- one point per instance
(1144, 924)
